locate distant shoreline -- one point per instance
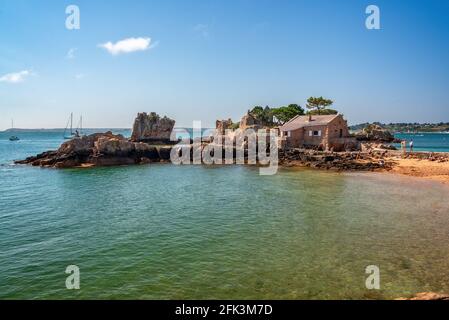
(423, 132)
(407, 127)
(58, 129)
(105, 129)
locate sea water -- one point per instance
(435, 142)
(162, 231)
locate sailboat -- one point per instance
(13, 138)
(71, 128)
(78, 131)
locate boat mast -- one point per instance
(71, 123)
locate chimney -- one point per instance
(310, 117)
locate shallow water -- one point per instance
(165, 232)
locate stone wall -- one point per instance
(296, 138)
(344, 144)
(249, 121)
(335, 126)
(315, 140)
(222, 125)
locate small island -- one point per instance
(319, 138)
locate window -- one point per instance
(315, 133)
(289, 134)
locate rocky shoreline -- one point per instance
(100, 149)
(340, 161)
(152, 141)
(107, 149)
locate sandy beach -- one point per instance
(423, 168)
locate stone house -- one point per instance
(325, 132)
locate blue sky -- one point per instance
(211, 60)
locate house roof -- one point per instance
(303, 121)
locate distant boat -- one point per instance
(71, 128)
(13, 138)
(78, 131)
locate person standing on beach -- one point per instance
(411, 145)
(404, 146)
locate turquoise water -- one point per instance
(161, 231)
(435, 142)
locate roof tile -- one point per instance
(303, 121)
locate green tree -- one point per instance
(267, 116)
(285, 113)
(264, 115)
(257, 112)
(318, 103)
(322, 112)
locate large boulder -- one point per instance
(144, 150)
(84, 145)
(164, 153)
(152, 128)
(374, 132)
(117, 146)
(100, 149)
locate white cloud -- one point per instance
(71, 53)
(15, 77)
(127, 45)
